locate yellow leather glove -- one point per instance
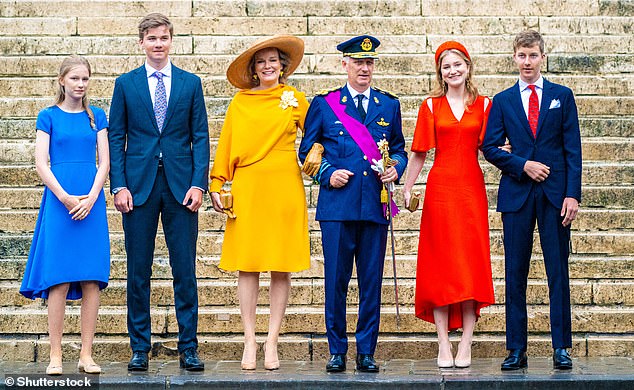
(226, 199)
(313, 160)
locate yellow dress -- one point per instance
(256, 153)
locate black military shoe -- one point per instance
(561, 359)
(190, 361)
(138, 362)
(337, 363)
(366, 363)
(515, 360)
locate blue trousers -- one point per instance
(518, 246)
(181, 232)
(343, 243)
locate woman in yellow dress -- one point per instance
(256, 153)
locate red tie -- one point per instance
(533, 110)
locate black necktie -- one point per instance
(360, 107)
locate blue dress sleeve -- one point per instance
(44, 121)
(101, 122)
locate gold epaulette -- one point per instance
(388, 93)
(327, 91)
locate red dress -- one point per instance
(454, 262)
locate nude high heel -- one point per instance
(270, 365)
(463, 363)
(251, 364)
(445, 363)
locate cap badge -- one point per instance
(366, 45)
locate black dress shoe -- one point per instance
(190, 361)
(139, 362)
(561, 359)
(337, 363)
(366, 363)
(515, 360)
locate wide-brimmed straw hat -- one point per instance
(239, 74)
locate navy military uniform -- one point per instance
(352, 220)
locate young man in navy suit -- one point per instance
(541, 182)
(159, 151)
(348, 122)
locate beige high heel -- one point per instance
(463, 363)
(90, 368)
(270, 365)
(445, 363)
(248, 365)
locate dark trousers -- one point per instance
(343, 243)
(181, 231)
(518, 245)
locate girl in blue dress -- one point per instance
(70, 252)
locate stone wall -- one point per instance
(589, 45)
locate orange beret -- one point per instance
(451, 45)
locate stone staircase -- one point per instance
(589, 45)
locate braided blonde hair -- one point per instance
(67, 65)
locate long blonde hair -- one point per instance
(441, 86)
(67, 65)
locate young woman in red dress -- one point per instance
(453, 276)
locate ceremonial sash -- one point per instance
(359, 133)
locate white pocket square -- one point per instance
(554, 104)
(337, 122)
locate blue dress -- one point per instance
(64, 250)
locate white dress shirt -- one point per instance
(153, 81)
(354, 93)
(525, 92)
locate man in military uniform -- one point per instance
(349, 122)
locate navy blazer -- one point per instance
(136, 142)
(557, 145)
(359, 199)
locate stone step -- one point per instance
(34, 348)
(217, 85)
(14, 152)
(307, 319)
(390, 44)
(320, 25)
(613, 243)
(584, 268)
(286, 8)
(16, 107)
(223, 292)
(590, 126)
(391, 64)
(23, 220)
(595, 173)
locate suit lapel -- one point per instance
(516, 102)
(351, 108)
(143, 89)
(175, 93)
(544, 108)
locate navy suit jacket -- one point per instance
(360, 198)
(136, 142)
(557, 145)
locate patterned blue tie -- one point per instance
(160, 101)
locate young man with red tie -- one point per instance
(541, 182)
